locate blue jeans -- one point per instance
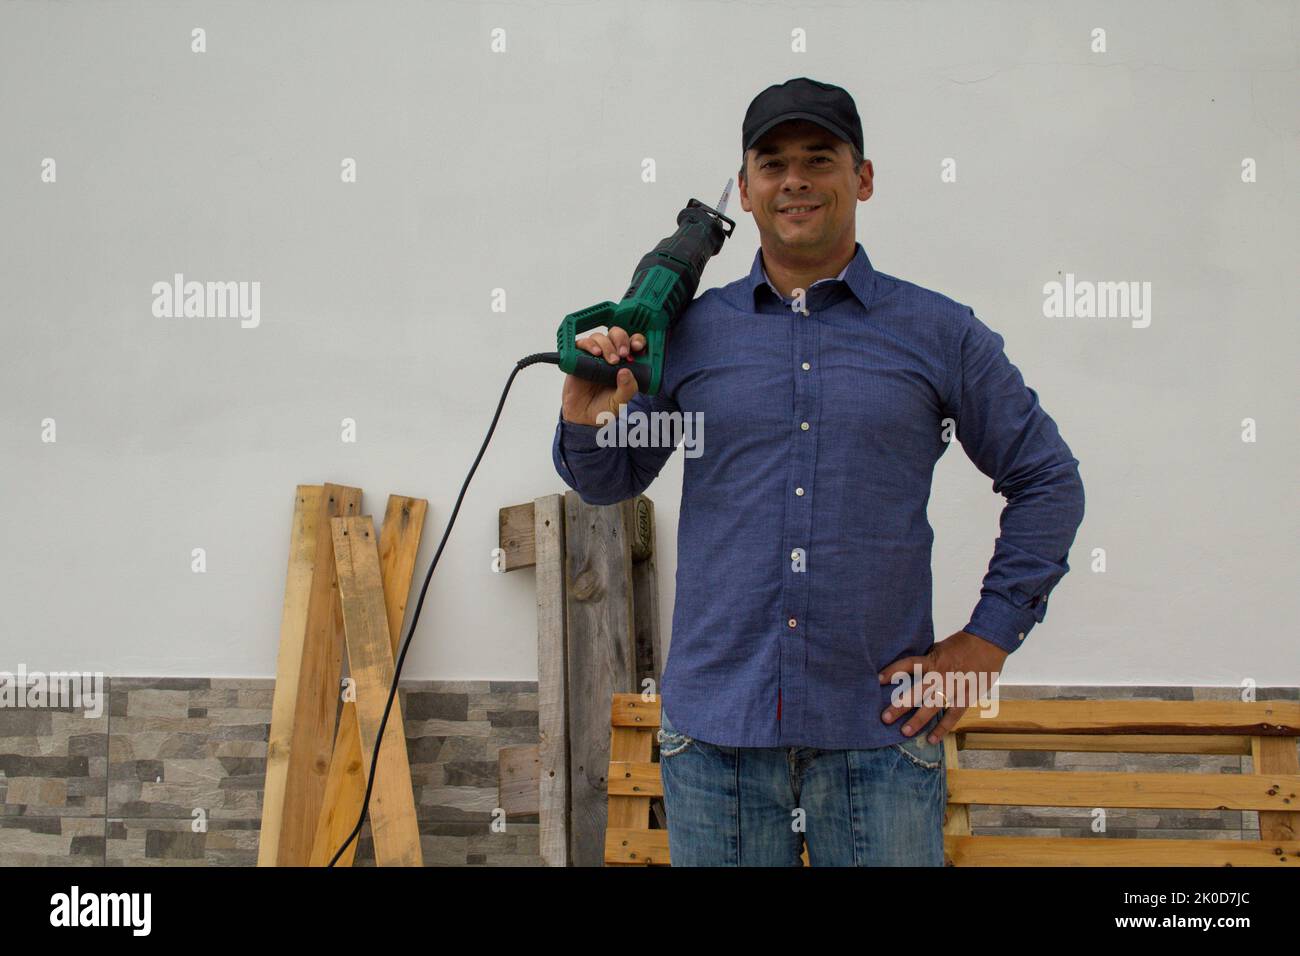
(754, 806)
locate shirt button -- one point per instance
(799, 491)
(1021, 636)
(806, 366)
(803, 425)
(792, 622)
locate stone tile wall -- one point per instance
(125, 788)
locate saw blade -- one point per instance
(722, 203)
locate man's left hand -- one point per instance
(961, 655)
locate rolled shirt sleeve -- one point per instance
(1008, 435)
(606, 475)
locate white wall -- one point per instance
(522, 171)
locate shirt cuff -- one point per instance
(578, 437)
(1002, 623)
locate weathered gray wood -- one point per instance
(515, 536)
(601, 659)
(639, 516)
(552, 681)
(650, 651)
(519, 776)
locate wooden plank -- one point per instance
(633, 710)
(956, 819)
(1272, 718)
(647, 847)
(1231, 744)
(393, 824)
(1110, 851)
(1274, 760)
(638, 517)
(345, 788)
(318, 704)
(516, 536)
(304, 708)
(293, 634)
(600, 660)
(342, 802)
(552, 683)
(1187, 791)
(637, 846)
(632, 776)
(399, 544)
(519, 775)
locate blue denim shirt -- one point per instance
(803, 557)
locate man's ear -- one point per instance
(865, 181)
(744, 191)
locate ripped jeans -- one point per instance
(755, 806)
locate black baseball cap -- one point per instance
(825, 104)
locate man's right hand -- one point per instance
(583, 399)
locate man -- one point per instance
(828, 391)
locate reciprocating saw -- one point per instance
(663, 285)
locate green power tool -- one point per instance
(663, 285)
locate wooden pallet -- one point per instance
(597, 635)
(1265, 730)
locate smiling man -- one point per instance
(809, 227)
(830, 390)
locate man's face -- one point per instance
(798, 163)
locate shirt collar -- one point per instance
(858, 274)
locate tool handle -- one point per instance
(596, 369)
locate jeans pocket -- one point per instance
(671, 743)
(920, 751)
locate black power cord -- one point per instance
(554, 359)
